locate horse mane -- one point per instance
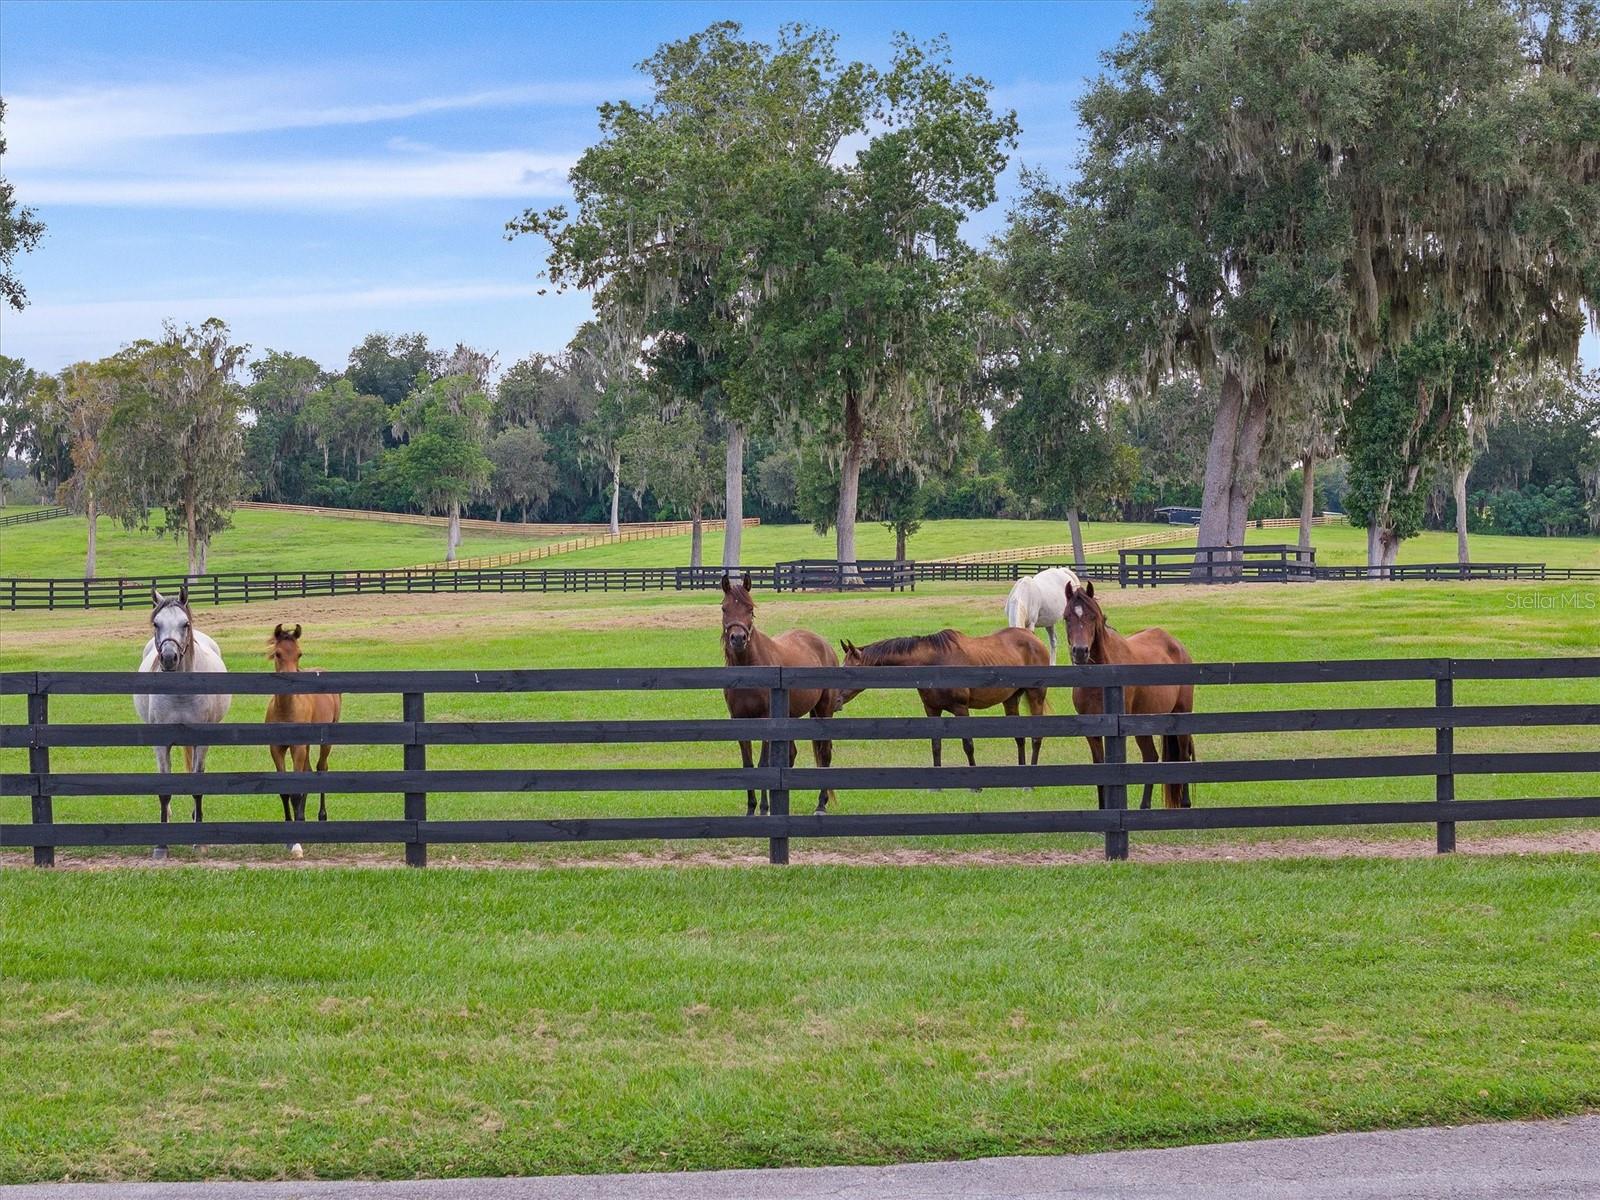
(939, 643)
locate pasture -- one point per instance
(258, 541)
(228, 1020)
(1347, 620)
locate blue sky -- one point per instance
(312, 172)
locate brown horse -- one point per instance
(1007, 648)
(1093, 641)
(743, 645)
(299, 708)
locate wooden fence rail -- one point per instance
(38, 514)
(41, 786)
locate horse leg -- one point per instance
(748, 759)
(279, 753)
(822, 751)
(1038, 706)
(302, 764)
(766, 757)
(822, 755)
(163, 765)
(322, 767)
(1051, 630)
(1177, 747)
(1022, 743)
(1147, 751)
(938, 761)
(966, 742)
(1097, 753)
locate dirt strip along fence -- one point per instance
(38, 514)
(40, 788)
(1258, 564)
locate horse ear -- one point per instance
(156, 598)
(1088, 589)
(183, 595)
(746, 581)
(277, 633)
(1069, 587)
(296, 634)
(725, 588)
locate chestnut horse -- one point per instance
(743, 645)
(298, 708)
(1007, 648)
(1093, 641)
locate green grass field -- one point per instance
(187, 1023)
(1348, 620)
(258, 541)
(196, 1021)
(775, 543)
(269, 541)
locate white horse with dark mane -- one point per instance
(1040, 602)
(177, 645)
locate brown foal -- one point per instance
(298, 708)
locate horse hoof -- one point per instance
(159, 853)
(976, 791)
(295, 851)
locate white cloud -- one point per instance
(412, 174)
(145, 313)
(81, 127)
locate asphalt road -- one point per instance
(1530, 1160)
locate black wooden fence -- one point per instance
(1274, 565)
(1165, 565)
(38, 514)
(40, 786)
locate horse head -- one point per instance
(1085, 619)
(738, 613)
(173, 624)
(283, 649)
(852, 658)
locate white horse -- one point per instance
(178, 646)
(1040, 601)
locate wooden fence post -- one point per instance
(778, 757)
(1444, 744)
(39, 764)
(415, 758)
(1116, 793)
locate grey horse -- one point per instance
(177, 645)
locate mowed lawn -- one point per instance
(1262, 622)
(1343, 545)
(764, 544)
(258, 541)
(189, 1023)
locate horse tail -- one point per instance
(1016, 610)
(1177, 747)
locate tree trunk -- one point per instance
(1077, 536)
(616, 491)
(203, 553)
(453, 537)
(1246, 466)
(193, 540)
(94, 527)
(733, 509)
(1308, 499)
(1460, 489)
(498, 509)
(900, 543)
(696, 534)
(1218, 484)
(324, 460)
(844, 525)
